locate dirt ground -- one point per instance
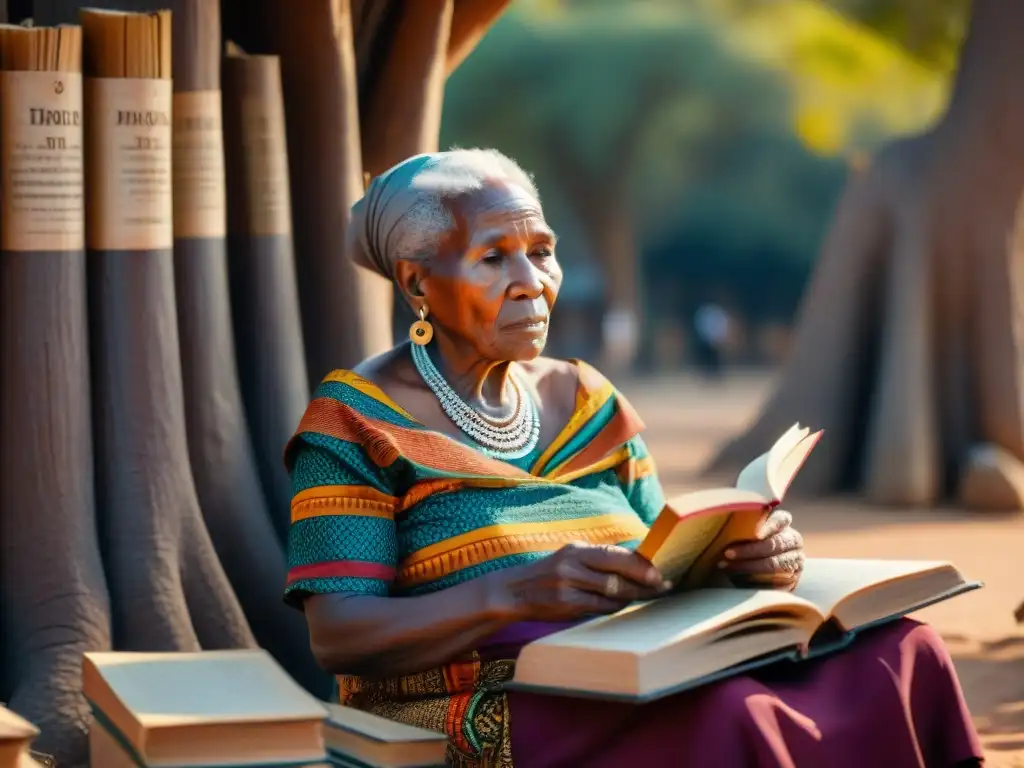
(687, 418)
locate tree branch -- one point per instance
(470, 21)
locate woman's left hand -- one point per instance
(774, 560)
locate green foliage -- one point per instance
(852, 88)
(721, 125)
(931, 30)
(584, 93)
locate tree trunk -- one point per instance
(160, 560)
(220, 448)
(403, 114)
(261, 260)
(613, 239)
(908, 349)
(470, 21)
(168, 591)
(346, 311)
(600, 197)
(52, 587)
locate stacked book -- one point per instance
(357, 739)
(230, 708)
(214, 708)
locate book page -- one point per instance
(686, 544)
(782, 473)
(106, 751)
(665, 642)
(829, 583)
(646, 626)
(14, 755)
(742, 524)
(692, 524)
(772, 473)
(754, 478)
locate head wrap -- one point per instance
(376, 226)
(376, 216)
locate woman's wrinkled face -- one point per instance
(495, 278)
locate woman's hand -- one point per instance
(775, 559)
(576, 581)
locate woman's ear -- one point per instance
(409, 278)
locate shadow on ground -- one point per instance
(995, 697)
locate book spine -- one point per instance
(261, 258)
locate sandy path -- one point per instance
(687, 419)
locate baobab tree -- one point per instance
(909, 345)
(132, 514)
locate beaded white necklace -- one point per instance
(511, 438)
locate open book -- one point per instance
(357, 738)
(693, 530)
(655, 648)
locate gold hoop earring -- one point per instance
(421, 332)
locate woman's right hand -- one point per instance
(576, 581)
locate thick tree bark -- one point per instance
(470, 21)
(403, 113)
(261, 259)
(222, 458)
(341, 58)
(158, 553)
(908, 350)
(345, 310)
(165, 579)
(52, 586)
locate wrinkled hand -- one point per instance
(775, 559)
(576, 581)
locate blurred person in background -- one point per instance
(460, 496)
(711, 328)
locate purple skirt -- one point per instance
(891, 699)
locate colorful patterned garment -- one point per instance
(385, 506)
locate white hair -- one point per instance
(457, 172)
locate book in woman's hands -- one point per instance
(693, 530)
(656, 648)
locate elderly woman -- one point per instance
(460, 496)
